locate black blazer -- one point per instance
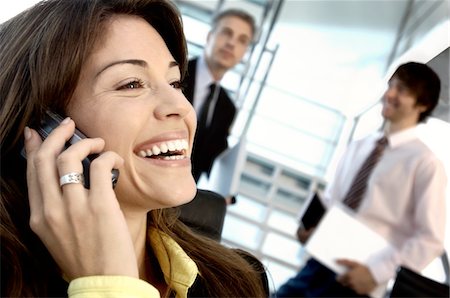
(208, 144)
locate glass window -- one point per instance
(295, 180)
(283, 221)
(248, 208)
(289, 200)
(241, 232)
(293, 111)
(282, 248)
(368, 122)
(195, 30)
(260, 167)
(287, 142)
(254, 187)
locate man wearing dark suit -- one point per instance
(231, 33)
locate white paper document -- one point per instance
(340, 235)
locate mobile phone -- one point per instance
(51, 121)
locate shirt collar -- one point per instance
(401, 137)
(179, 270)
(204, 76)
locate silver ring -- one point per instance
(69, 178)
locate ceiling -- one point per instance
(336, 53)
(367, 15)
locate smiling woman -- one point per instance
(113, 69)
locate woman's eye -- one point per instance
(135, 84)
(177, 84)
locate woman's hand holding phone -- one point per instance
(84, 229)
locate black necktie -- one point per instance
(203, 115)
(359, 184)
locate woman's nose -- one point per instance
(172, 104)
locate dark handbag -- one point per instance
(411, 284)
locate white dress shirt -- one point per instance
(203, 79)
(404, 201)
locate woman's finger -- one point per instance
(70, 168)
(100, 172)
(32, 144)
(45, 161)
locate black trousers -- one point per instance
(314, 280)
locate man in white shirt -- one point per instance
(404, 197)
(231, 34)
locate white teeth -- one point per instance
(178, 145)
(175, 145)
(171, 146)
(156, 150)
(184, 144)
(174, 157)
(163, 148)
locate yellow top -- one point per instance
(179, 270)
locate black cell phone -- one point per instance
(50, 122)
(314, 212)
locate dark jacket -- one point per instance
(208, 144)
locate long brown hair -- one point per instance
(42, 51)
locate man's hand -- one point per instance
(357, 277)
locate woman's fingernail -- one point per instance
(65, 121)
(27, 133)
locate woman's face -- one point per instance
(129, 94)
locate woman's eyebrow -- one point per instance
(173, 64)
(137, 62)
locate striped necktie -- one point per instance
(359, 184)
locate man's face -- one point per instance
(227, 44)
(399, 104)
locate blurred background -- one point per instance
(311, 83)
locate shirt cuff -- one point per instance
(102, 286)
(384, 265)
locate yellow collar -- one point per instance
(179, 270)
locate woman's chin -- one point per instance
(160, 194)
(183, 194)
(179, 193)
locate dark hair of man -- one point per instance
(423, 82)
(42, 53)
(234, 12)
